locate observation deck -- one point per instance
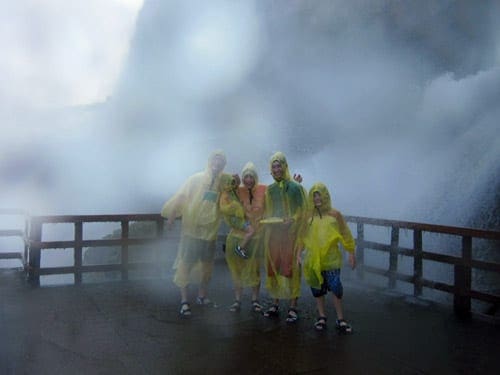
(131, 325)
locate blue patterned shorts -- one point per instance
(331, 282)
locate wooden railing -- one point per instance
(20, 254)
(463, 264)
(78, 243)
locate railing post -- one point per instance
(417, 262)
(26, 241)
(159, 236)
(393, 257)
(360, 250)
(35, 237)
(462, 300)
(78, 252)
(124, 255)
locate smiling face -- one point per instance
(218, 164)
(277, 170)
(249, 181)
(317, 200)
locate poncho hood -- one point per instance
(281, 158)
(321, 188)
(250, 169)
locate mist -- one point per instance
(394, 105)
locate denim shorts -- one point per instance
(331, 282)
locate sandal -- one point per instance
(204, 301)
(272, 312)
(240, 252)
(292, 316)
(256, 306)
(320, 323)
(185, 309)
(343, 326)
(235, 307)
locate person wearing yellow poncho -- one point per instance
(242, 207)
(285, 201)
(197, 202)
(325, 231)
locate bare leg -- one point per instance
(237, 293)
(248, 235)
(320, 305)
(184, 293)
(337, 303)
(255, 293)
(206, 274)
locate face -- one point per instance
(318, 201)
(218, 164)
(277, 170)
(248, 181)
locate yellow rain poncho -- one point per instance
(285, 199)
(197, 202)
(244, 272)
(325, 230)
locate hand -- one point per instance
(170, 222)
(297, 177)
(352, 260)
(299, 257)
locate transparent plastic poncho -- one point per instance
(325, 230)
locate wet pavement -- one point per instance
(134, 328)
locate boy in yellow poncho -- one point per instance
(242, 208)
(197, 202)
(325, 230)
(285, 201)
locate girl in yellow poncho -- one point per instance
(242, 208)
(197, 202)
(285, 201)
(326, 229)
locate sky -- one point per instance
(108, 106)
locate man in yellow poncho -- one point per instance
(285, 209)
(242, 208)
(325, 230)
(198, 204)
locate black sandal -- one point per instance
(320, 323)
(256, 306)
(185, 309)
(292, 316)
(235, 307)
(272, 312)
(343, 326)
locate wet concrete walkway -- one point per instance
(134, 328)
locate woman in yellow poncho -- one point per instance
(285, 201)
(242, 208)
(197, 202)
(325, 230)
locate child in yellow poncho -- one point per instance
(325, 230)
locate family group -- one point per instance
(282, 227)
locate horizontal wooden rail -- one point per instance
(462, 264)
(22, 254)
